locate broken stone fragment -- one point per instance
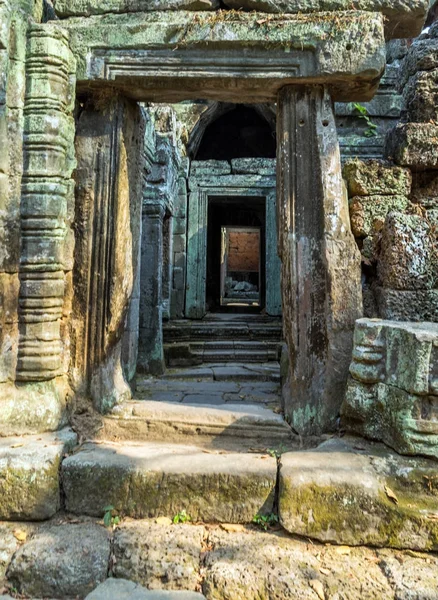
(376, 177)
(392, 395)
(61, 561)
(413, 145)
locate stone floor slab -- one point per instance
(61, 561)
(122, 589)
(29, 480)
(355, 492)
(151, 480)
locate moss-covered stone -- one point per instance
(153, 480)
(355, 496)
(368, 213)
(376, 177)
(29, 475)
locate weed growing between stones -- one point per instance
(266, 522)
(111, 518)
(370, 131)
(181, 517)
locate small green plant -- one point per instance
(277, 452)
(111, 517)
(370, 131)
(181, 517)
(265, 522)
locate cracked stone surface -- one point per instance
(228, 562)
(159, 557)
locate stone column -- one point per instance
(151, 356)
(46, 186)
(320, 261)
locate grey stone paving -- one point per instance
(122, 589)
(215, 385)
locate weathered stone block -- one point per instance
(29, 475)
(368, 213)
(421, 56)
(254, 166)
(62, 561)
(32, 407)
(159, 556)
(421, 96)
(393, 393)
(402, 305)
(209, 168)
(402, 19)
(179, 244)
(154, 480)
(408, 258)
(413, 145)
(339, 494)
(376, 177)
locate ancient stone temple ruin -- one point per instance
(218, 299)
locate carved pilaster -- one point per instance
(320, 262)
(46, 188)
(151, 355)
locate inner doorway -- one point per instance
(236, 243)
(240, 266)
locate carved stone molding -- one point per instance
(321, 287)
(46, 189)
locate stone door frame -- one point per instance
(197, 244)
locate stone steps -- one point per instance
(196, 423)
(189, 353)
(222, 338)
(157, 479)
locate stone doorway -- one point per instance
(231, 223)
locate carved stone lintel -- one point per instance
(321, 287)
(173, 56)
(46, 187)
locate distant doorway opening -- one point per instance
(236, 249)
(240, 266)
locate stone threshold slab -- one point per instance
(153, 480)
(231, 56)
(29, 474)
(350, 491)
(145, 420)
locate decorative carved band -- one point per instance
(46, 186)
